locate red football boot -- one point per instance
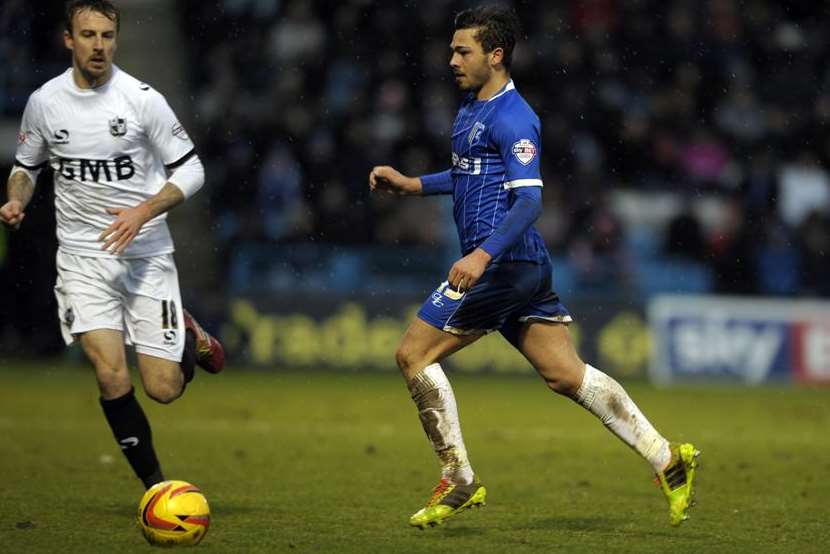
(210, 355)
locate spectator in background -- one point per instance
(733, 250)
(597, 249)
(284, 214)
(760, 186)
(814, 238)
(804, 188)
(684, 237)
(704, 158)
(640, 96)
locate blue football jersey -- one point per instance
(495, 149)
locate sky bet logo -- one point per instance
(751, 350)
(119, 169)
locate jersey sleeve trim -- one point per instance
(181, 161)
(517, 183)
(30, 167)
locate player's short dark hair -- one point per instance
(105, 7)
(498, 27)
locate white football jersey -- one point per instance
(110, 147)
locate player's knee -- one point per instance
(112, 380)
(164, 392)
(564, 387)
(114, 386)
(407, 359)
(564, 381)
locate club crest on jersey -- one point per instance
(475, 132)
(524, 150)
(21, 137)
(118, 126)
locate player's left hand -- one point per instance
(124, 229)
(468, 270)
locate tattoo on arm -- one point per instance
(20, 187)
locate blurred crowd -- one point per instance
(724, 99)
(710, 117)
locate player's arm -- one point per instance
(169, 139)
(30, 158)
(525, 210)
(19, 190)
(187, 178)
(389, 179)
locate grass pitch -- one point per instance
(321, 462)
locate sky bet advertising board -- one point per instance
(738, 340)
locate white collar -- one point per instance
(507, 88)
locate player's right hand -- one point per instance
(11, 213)
(389, 179)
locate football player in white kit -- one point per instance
(121, 160)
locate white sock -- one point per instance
(433, 395)
(605, 398)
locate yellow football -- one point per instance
(173, 513)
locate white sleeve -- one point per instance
(32, 148)
(189, 176)
(165, 132)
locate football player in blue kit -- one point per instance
(503, 281)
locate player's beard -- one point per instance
(92, 74)
(474, 80)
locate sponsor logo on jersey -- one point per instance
(170, 337)
(475, 132)
(118, 126)
(471, 166)
(119, 169)
(144, 86)
(61, 136)
(524, 150)
(179, 132)
(22, 137)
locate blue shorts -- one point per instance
(507, 296)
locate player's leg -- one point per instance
(418, 357)
(163, 380)
(205, 349)
(448, 321)
(89, 308)
(166, 338)
(105, 350)
(549, 349)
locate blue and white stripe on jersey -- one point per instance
(495, 149)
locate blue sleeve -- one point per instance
(437, 183)
(516, 136)
(521, 215)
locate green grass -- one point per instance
(321, 462)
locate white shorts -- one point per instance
(139, 297)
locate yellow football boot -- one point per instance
(677, 481)
(447, 500)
